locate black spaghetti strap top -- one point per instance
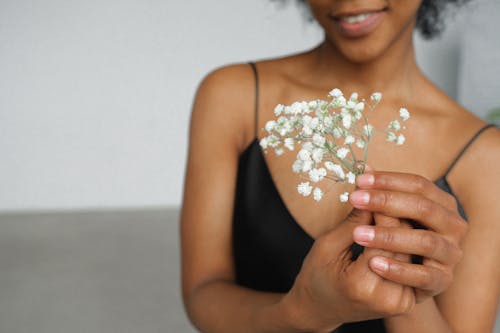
(269, 246)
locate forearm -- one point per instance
(222, 306)
(425, 317)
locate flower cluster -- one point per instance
(328, 134)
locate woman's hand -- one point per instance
(407, 196)
(332, 289)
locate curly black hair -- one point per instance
(430, 16)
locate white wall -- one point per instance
(95, 95)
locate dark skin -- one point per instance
(460, 268)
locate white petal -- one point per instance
(304, 188)
(344, 197)
(317, 194)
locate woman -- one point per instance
(258, 258)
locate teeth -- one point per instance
(356, 18)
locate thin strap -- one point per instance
(256, 111)
(464, 149)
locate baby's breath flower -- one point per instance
(289, 143)
(304, 188)
(318, 139)
(308, 145)
(336, 169)
(317, 194)
(390, 137)
(401, 139)
(354, 97)
(317, 155)
(346, 121)
(297, 166)
(349, 139)
(336, 92)
(278, 109)
(395, 125)
(317, 175)
(320, 128)
(304, 155)
(376, 97)
(344, 197)
(342, 153)
(404, 114)
(351, 178)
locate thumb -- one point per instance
(340, 239)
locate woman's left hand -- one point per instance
(407, 196)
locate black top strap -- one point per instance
(464, 149)
(256, 75)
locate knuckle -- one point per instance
(425, 207)
(421, 184)
(426, 280)
(429, 242)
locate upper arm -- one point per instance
(219, 121)
(470, 303)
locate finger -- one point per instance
(338, 241)
(422, 277)
(409, 183)
(421, 242)
(411, 206)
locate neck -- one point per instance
(395, 72)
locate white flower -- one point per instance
(304, 155)
(313, 104)
(337, 133)
(354, 97)
(359, 107)
(401, 139)
(344, 197)
(368, 129)
(270, 125)
(336, 92)
(395, 125)
(349, 139)
(346, 121)
(308, 145)
(351, 178)
(264, 142)
(279, 151)
(296, 108)
(404, 114)
(307, 165)
(360, 143)
(314, 123)
(304, 188)
(317, 175)
(297, 166)
(278, 109)
(317, 155)
(328, 122)
(342, 153)
(391, 137)
(307, 131)
(376, 97)
(336, 169)
(339, 102)
(318, 140)
(289, 143)
(317, 194)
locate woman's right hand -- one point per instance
(332, 288)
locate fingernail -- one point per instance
(366, 179)
(379, 263)
(363, 235)
(359, 197)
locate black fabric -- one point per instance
(269, 246)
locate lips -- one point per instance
(358, 23)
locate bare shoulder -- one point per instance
(224, 102)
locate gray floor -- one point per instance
(90, 272)
(95, 272)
